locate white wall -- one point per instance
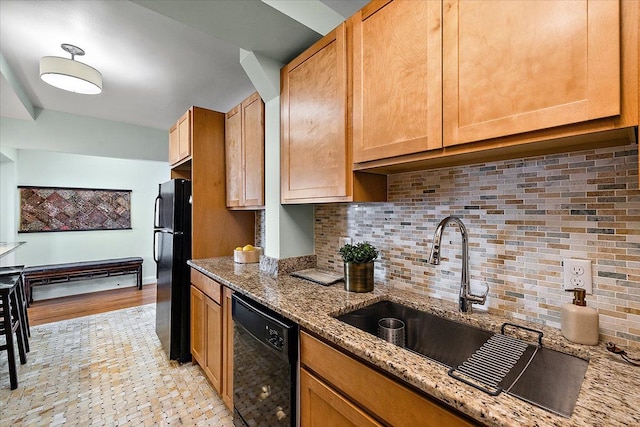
(8, 183)
(289, 228)
(70, 133)
(71, 170)
(67, 150)
(40, 168)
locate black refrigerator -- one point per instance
(172, 249)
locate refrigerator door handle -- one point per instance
(156, 219)
(155, 257)
(155, 246)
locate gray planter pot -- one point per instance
(358, 277)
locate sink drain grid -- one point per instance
(490, 363)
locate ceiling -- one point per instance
(157, 58)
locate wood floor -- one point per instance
(56, 309)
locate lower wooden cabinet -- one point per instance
(206, 327)
(227, 348)
(212, 333)
(334, 385)
(321, 406)
(197, 325)
(213, 343)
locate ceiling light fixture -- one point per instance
(69, 74)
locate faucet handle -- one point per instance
(480, 299)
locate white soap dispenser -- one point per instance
(579, 323)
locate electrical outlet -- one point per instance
(345, 240)
(577, 270)
(577, 274)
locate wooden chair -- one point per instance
(11, 322)
(18, 269)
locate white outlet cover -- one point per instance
(577, 274)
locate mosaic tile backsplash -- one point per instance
(260, 229)
(523, 216)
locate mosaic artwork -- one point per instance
(73, 209)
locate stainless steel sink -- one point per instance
(541, 376)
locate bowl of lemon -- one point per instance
(247, 254)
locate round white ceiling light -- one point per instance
(69, 74)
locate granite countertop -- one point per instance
(7, 247)
(609, 396)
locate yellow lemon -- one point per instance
(248, 248)
(239, 248)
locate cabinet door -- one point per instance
(253, 150)
(216, 230)
(174, 145)
(213, 342)
(321, 406)
(233, 155)
(397, 79)
(184, 131)
(227, 348)
(514, 67)
(386, 398)
(197, 325)
(314, 149)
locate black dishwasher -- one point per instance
(265, 356)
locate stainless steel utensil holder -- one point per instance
(392, 330)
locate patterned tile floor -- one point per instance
(106, 370)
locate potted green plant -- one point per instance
(358, 266)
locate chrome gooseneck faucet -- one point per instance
(467, 299)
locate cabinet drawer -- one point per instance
(207, 285)
(387, 399)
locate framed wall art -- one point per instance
(45, 209)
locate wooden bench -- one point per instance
(58, 273)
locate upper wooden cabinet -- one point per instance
(244, 153)
(397, 79)
(438, 83)
(216, 229)
(180, 140)
(174, 145)
(233, 156)
(316, 162)
(516, 67)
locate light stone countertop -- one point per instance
(7, 247)
(609, 396)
